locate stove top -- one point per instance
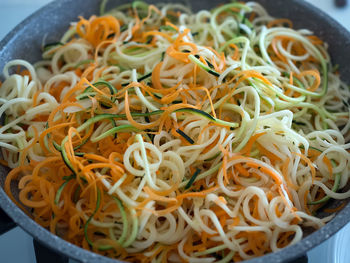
(17, 246)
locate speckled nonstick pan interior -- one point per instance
(51, 21)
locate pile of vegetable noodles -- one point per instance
(154, 134)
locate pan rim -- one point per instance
(75, 252)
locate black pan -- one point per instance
(25, 40)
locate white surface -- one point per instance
(341, 246)
(12, 12)
(16, 245)
(342, 15)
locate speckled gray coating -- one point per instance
(25, 40)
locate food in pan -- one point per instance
(155, 134)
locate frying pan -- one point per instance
(52, 20)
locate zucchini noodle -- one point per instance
(155, 134)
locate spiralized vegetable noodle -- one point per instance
(155, 134)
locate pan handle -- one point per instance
(43, 254)
(301, 259)
(6, 222)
